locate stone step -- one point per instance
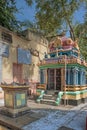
(52, 97)
(47, 96)
(49, 102)
(50, 92)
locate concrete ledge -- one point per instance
(72, 102)
(84, 100)
(14, 112)
(19, 122)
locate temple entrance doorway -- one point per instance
(54, 79)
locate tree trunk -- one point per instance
(68, 22)
(71, 30)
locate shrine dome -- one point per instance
(64, 43)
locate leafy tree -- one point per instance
(52, 14)
(81, 34)
(8, 11)
(8, 19)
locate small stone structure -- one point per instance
(16, 114)
(15, 98)
(63, 69)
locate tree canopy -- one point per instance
(81, 34)
(7, 11)
(52, 15)
(55, 15)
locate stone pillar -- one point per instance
(79, 76)
(82, 77)
(41, 76)
(75, 76)
(81, 73)
(68, 76)
(45, 76)
(71, 76)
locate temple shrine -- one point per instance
(63, 71)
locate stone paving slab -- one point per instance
(39, 111)
(57, 119)
(33, 105)
(19, 122)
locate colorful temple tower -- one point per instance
(63, 71)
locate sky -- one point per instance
(28, 13)
(79, 15)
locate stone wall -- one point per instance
(31, 71)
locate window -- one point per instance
(24, 56)
(6, 37)
(4, 49)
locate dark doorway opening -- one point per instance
(54, 79)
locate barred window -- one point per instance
(6, 37)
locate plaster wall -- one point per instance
(30, 71)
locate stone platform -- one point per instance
(19, 122)
(14, 112)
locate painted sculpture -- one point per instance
(64, 70)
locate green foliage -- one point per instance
(81, 34)
(55, 15)
(7, 15)
(52, 15)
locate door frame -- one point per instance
(48, 80)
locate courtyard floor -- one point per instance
(56, 117)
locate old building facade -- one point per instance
(20, 55)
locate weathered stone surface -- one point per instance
(65, 128)
(19, 122)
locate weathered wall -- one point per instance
(29, 71)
